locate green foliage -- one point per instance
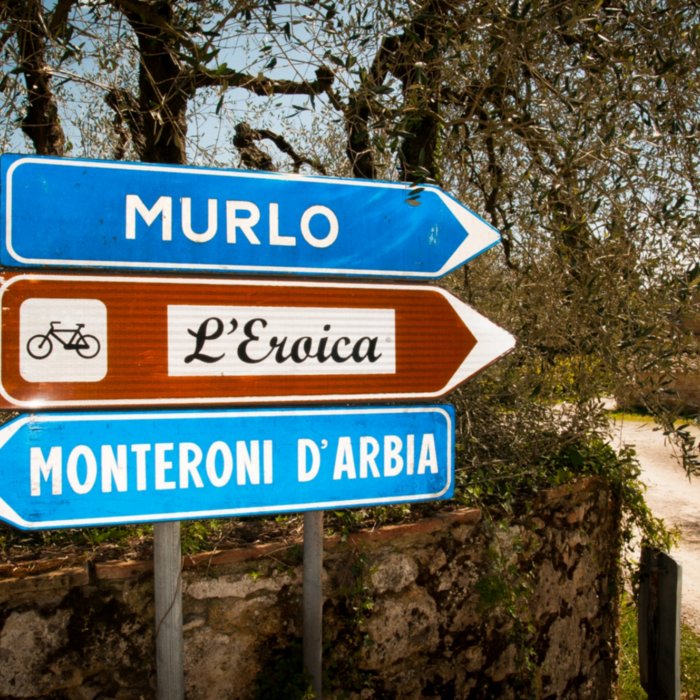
(532, 446)
(56, 542)
(343, 522)
(354, 605)
(198, 535)
(690, 663)
(504, 589)
(628, 684)
(494, 590)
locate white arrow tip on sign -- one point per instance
(492, 342)
(480, 235)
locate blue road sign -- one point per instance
(86, 469)
(85, 213)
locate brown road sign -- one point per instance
(88, 341)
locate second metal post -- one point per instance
(313, 597)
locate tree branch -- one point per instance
(158, 119)
(59, 16)
(361, 106)
(256, 159)
(41, 122)
(126, 112)
(224, 77)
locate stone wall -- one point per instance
(454, 606)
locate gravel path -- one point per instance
(672, 497)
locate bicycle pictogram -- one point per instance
(40, 346)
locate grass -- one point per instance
(629, 687)
(631, 417)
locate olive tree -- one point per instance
(571, 127)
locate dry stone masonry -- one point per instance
(454, 606)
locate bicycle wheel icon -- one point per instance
(39, 346)
(89, 347)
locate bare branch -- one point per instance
(253, 157)
(58, 20)
(128, 120)
(261, 85)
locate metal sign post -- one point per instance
(167, 574)
(313, 599)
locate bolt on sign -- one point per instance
(91, 341)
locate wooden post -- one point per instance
(167, 565)
(659, 625)
(313, 598)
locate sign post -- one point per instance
(167, 583)
(92, 341)
(312, 592)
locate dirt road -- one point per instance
(672, 497)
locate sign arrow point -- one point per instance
(492, 342)
(480, 235)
